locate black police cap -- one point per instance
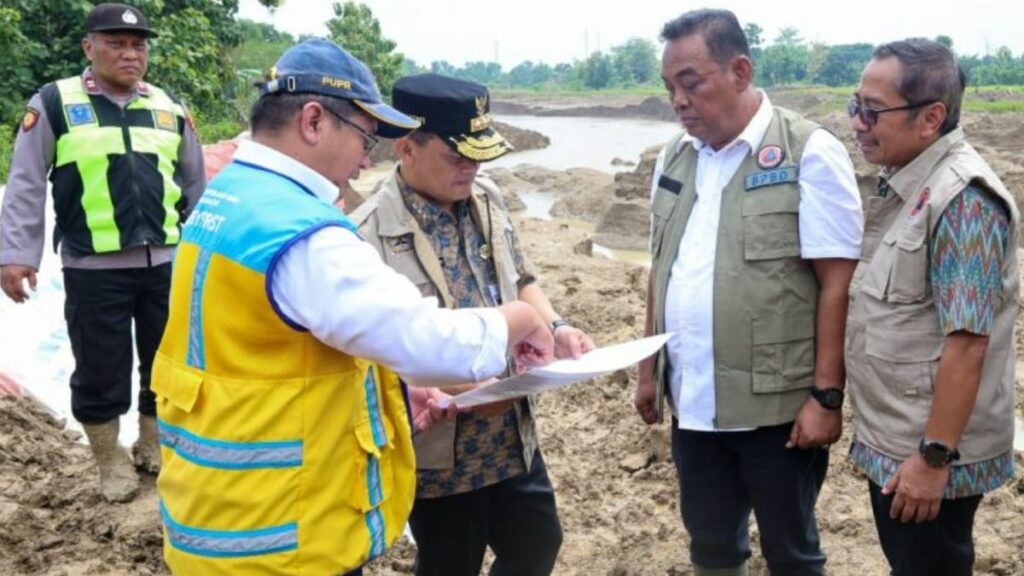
(111, 17)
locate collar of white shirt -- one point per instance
(271, 159)
(753, 134)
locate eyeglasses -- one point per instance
(369, 140)
(869, 116)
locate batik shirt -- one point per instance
(487, 449)
(966, 256)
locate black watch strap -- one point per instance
(936, 454)
(829, 398)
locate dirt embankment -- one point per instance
(651, 108)
(614, 478)
(52, 518)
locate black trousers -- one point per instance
(941, 547)
(725, 475)
(100, 308)
(517, 518)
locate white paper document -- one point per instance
(562, 373)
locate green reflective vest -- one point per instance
(115, 171)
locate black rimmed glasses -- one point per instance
(869, 116)
(369, 140)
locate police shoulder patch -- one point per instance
(30, 120)
(79, 114)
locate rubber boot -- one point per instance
(740, 570)
(147, 448)
(118, 482)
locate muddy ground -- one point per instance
(613, 476)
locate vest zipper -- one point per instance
(130, 155)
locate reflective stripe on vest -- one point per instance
(374, 519)
(230, 455)
(196, 352)
(88, 146)
(229, 543)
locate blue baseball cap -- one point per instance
(322, 67)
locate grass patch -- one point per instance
(210, 133)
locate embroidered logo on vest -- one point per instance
(79, 114)
(769, 157)
(165, 120)
(922, 199)
(400, 244)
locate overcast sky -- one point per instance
(555, 31)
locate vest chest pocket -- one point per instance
(400, 256)
(908, 276)
(771, 224)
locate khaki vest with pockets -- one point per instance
(392, 230)
(893, 338)
(765, 294)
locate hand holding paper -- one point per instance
(562, 373)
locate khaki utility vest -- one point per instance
(893, 337)
(766, 295)
(392, 230)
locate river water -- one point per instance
(34, 346)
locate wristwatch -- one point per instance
(556, 324)
(829, 398)
(936, 454)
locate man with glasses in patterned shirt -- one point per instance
(930, 340)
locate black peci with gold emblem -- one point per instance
(455, 110)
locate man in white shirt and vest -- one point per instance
(930, 348)
(756, 227)
(126, 169)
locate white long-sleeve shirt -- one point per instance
(335, 285)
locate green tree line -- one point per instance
(211, 59)
(787, 60)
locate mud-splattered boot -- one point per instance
(146, 450)
(118, 482)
